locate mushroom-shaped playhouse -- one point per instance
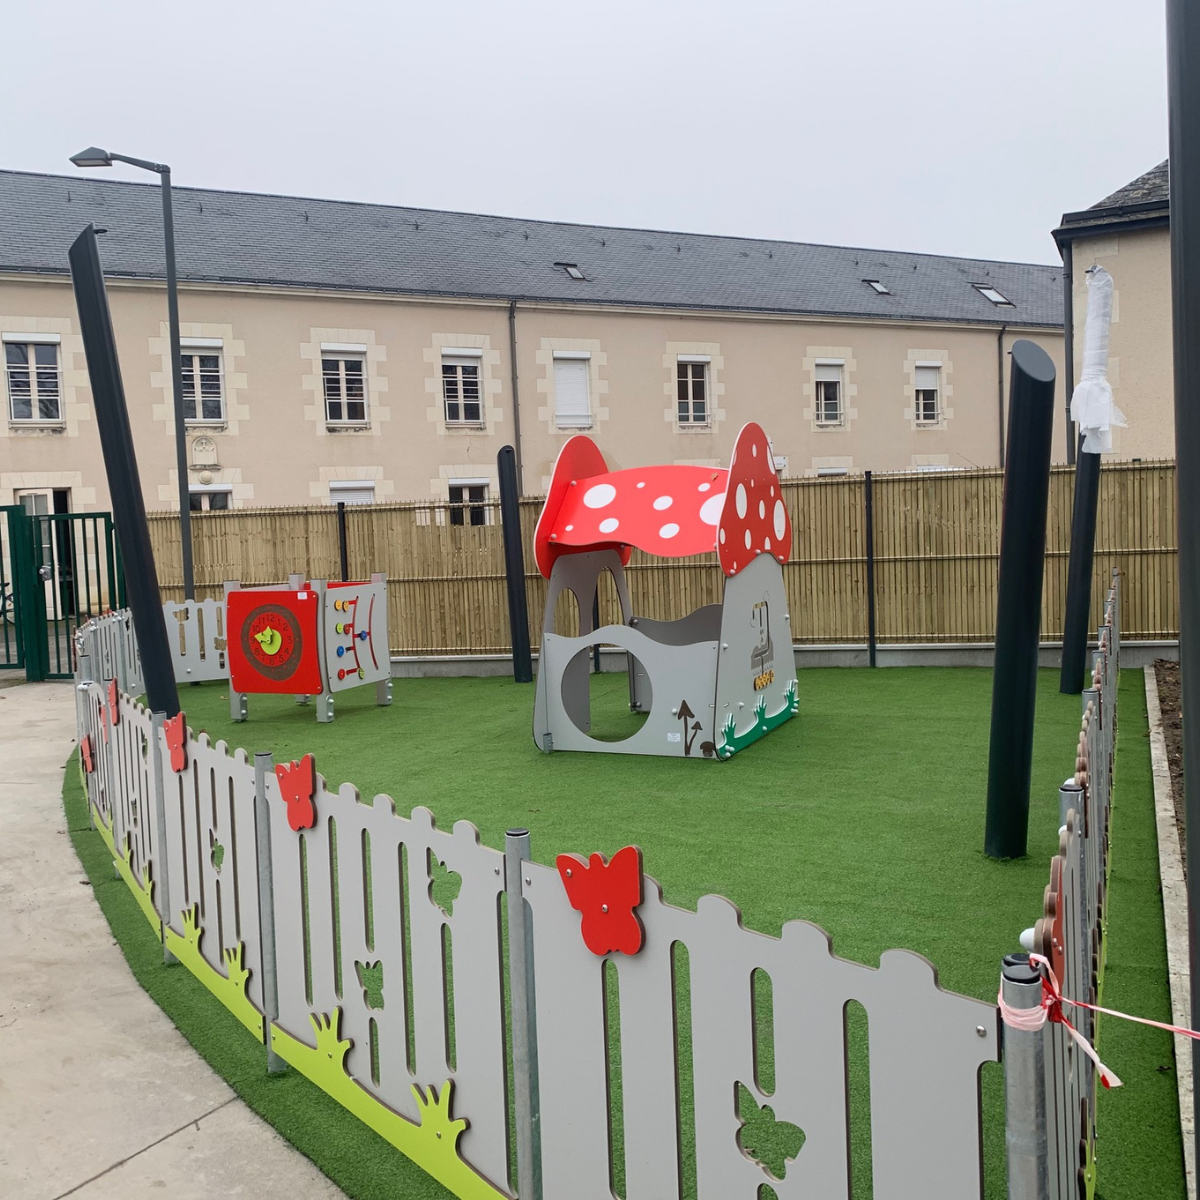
(710, 683)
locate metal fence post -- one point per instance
(869, 506)
(514, 565)
(84, 686)
(263, 764)
(1024, 1086)
(524, 1019)
(160, 831)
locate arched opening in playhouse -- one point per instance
(701, 685)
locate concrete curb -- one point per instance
(1174, 894)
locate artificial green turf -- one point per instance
(1137, 1126)
(863, 814)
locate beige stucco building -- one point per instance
(362, 352)
(1128, 233)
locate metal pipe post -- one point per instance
(1025, 1131)
(524, 1018)
(514, 565)
(1019, 601)
(161, 873)
(869, 505)
(1183, 94)
(1079, 572)
(343, 549)
(185, 511)
(264, 765)
(120, 464)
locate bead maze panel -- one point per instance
(356, 634)
(273, 642)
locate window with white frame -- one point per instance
(352, 491)
(210, 499)
(462, 389)
(468, 501)
(829, 391)
(691, 384)
(34, 379)
(928, 393)
(203, 382)
(345, 380)
(572, 393)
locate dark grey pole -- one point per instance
(869, 505)
(514, 565)
(1019, 599)
(343, 548)
(185, 511)
(1079, 573)
(120, 464)
(1183, 92)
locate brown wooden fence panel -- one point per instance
(937, 541)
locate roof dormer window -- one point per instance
(571, 269)
(990, 293)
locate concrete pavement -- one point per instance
(100, 1096)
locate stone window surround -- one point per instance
(580, 348)
(12, 482)
(842, 356)
(360, 341)
(199, 335)
(221, 479)
(491, 385)
(320, 491)
(72, 373)
(827, 464)
(928, 358)
(693, 351)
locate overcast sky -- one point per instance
(950, 126)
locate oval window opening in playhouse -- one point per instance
(607, 716)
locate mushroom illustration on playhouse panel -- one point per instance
(710, 683)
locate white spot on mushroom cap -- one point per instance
(704, 487)
(710, 510)
(663, 502)
(766, 543)
(739, 498)
(722, 537)
(599, 495)
(668, 531)
(570, 527)
(762, 509)
(780, 519)
(754, 449)
(642, 484)
(609, 524)
(747, 539)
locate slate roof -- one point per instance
(247, 237)
(1143, 203)
(1154, 185)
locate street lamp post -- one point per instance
(95, 157)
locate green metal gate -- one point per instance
(56, 571)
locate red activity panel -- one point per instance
(274, 642)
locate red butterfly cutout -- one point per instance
(114, 707)
(606, 893)
(298, 782)
(176, 730)
(85, 749)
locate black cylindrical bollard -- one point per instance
(1019, 599)
(514, 565)
(120, 464)
(1079, 573)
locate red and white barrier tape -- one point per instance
(1030, 1020)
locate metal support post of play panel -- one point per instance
(264, 767)
(524, 1019)
(1019, 600)
(514, 565)
(1025, 1086)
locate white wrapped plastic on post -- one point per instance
(1092, 407)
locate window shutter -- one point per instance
(927, 378)
(571, 408)
(829, 373)
(362, 493)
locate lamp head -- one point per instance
(93, 156)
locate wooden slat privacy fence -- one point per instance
(936, 545)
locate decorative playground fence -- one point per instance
(933, 548)
(424, 981)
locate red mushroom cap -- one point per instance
(754, 519)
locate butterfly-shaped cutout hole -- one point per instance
(607, 895)
(769, 1142)
(444, 885)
